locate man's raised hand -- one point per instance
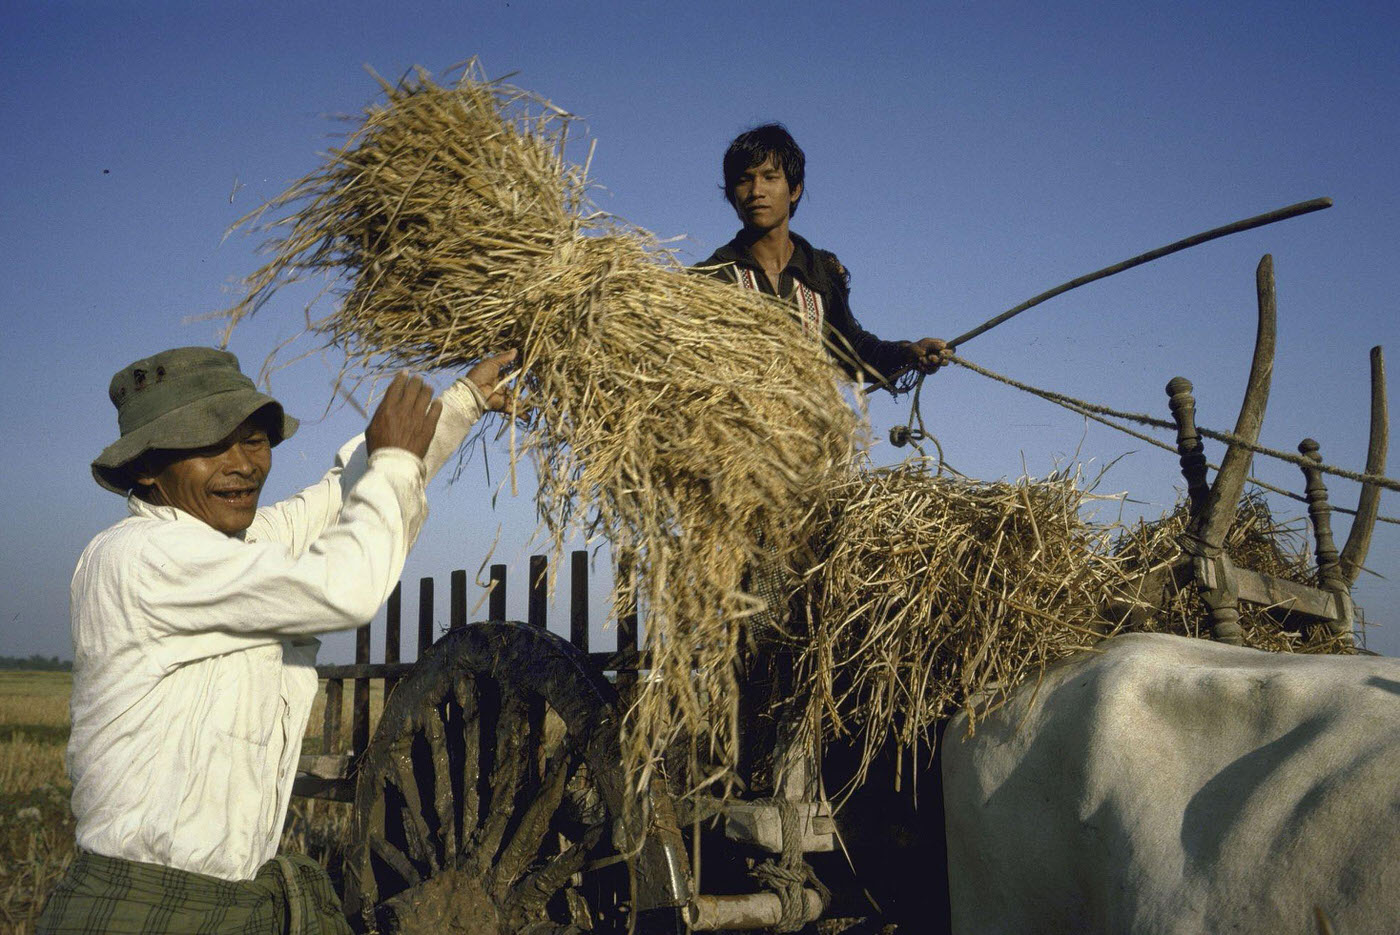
(487, 377)
(406, 417)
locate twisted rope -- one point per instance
(789, 874)
(1102, 414)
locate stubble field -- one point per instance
(36, 824)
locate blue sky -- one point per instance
(961, 158)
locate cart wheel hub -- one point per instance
(453, 901)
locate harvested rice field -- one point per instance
(36, 825)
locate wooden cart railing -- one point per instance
(327, 772)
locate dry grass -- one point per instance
(690, 423)
(933, 592)
(36, 826)
(1257, 541)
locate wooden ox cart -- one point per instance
(491, 796)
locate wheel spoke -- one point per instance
(442, 783)
(416, 830)
(506, 773)
(395, 858)
(465, 690)
(368, 886)
(535, 889)
(524, 843)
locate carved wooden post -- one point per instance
(1329, 567)
(1188, 441)
(1320, 512)
(1215, 578)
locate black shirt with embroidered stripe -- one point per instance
(823, 274)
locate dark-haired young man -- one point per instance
(764, 169)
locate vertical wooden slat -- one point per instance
(458, 599)
(627, 635)
(538, 613)
(330, 724)
(393, 619)
(498, 592)
(578, 600)
(425, 615)
(359, 725)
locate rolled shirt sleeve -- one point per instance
(203, 593)
(299, 519)
(325, 559)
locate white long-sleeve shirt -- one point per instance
(194, 653)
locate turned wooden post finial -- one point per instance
(1320, 514)
(1188, 440)
(1329, 567)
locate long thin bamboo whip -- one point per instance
(1282, 214)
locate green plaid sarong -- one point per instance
(100, 895)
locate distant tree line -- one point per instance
(37, 663)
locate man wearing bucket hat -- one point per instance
(194, 623)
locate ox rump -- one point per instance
(1172, 785)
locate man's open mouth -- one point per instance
(243, 496)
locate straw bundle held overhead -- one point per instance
(690, 422)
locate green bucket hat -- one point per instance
(185, 398)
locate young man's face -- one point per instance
(219, 484)
(762, 197)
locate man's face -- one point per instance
(219, 484)
(762, 197)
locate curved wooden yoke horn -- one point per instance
(1368, 506)
(1221, 585)
(1206, 534)
(1204, 538)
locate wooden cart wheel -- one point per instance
(490, 800)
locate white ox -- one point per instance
(1169, 785)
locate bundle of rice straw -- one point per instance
(935, 592)
(1256, 541)
(688, 421)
